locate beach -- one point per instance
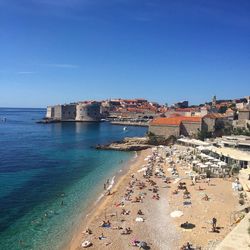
(115, 223)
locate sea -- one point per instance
(51, 174)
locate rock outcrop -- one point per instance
(128, 144)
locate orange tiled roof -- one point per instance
(175, 121)
(186, 109)
(174, 115)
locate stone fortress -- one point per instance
(87, 111)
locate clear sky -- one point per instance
(58, 51)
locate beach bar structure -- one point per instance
(192, 142)
(231, 156)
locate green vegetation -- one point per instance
(202, 135)
(242, 131)
(232, 106)
(222, 109)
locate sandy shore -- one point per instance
(159, 230)
(222, 203)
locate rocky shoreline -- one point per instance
(127, 144)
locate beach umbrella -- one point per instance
(208, 163)
(215, 166)
(142, 169)
(187, 225)
(143, 245)
(222, 163)
(204, 166)
(176, 213)
(210, 158)
(176, 180)
(200, 148)
(139, 219)
(216, 160)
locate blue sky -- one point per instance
(58, 51)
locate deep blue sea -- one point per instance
(50, 175)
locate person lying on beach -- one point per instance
(156, 197)
(175, 191)
(117, 228)
(88, 231)
(126, 231)
(186, 247)
(125, 212)
(186, 194)
(119, 204)
(101, 237)
(106, 224)
(140, 212)
(135, 243)
(137, 199)
(205, 198)
(181, 186)
(127, 197)
(108, 192)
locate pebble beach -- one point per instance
(139, 206)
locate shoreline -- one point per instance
(94, 207)
(105, 208)
(222, 204)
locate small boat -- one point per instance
(125, 128)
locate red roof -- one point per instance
(175, 121)
(186, 109)
(174, 115)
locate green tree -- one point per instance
(222, 109)
(202, 135)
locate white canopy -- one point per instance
(215, 166)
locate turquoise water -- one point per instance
(49, 176)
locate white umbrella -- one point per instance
(208, 163)
(139, 219)
(200, 164)
(204, 166)
(215, 166)
(142, 169)
(216, 160)
(222, 163)
(200, 148)
(176, 213)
